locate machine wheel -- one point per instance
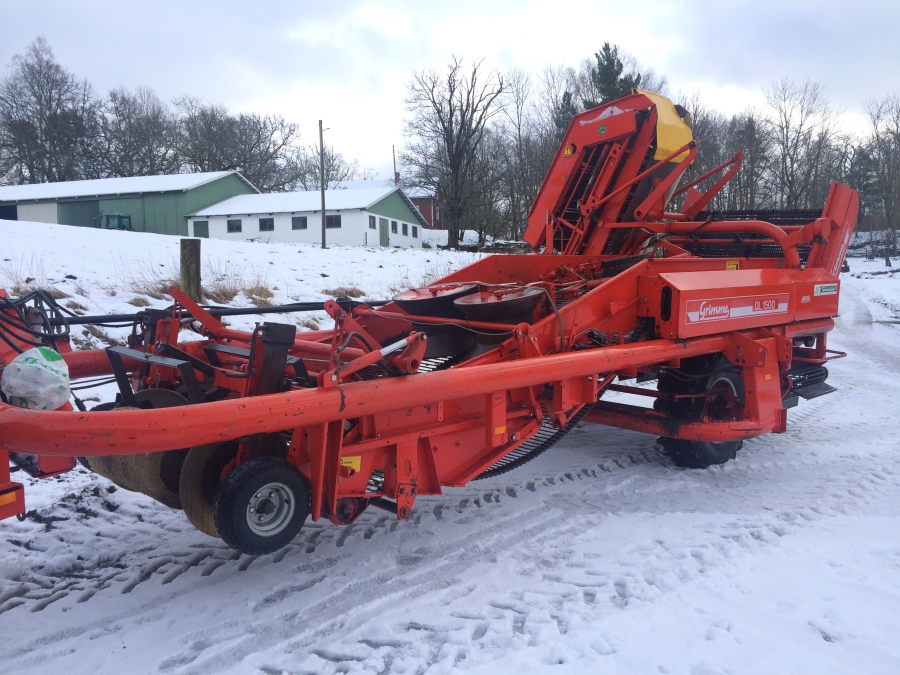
(201, 474)
(261, 505)
(699, 454)
(725, 402)
(154, 474)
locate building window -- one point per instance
(415, 232)
(266, 224)
(371, 222)
(394, 226)
(405, 230)
(298, 223)
(234, 225)
(332, 222)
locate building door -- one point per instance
(383, 231)
(85, 213)
(201, 228)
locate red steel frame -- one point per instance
(428, 430)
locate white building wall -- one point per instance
(354, 229)
(38, 213)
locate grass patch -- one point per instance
(259, 294)
(345, 292)
(145, 277)
(259, 291)
(71, 304)
(310, 323)
(257, 301)
(56, 294)
(139, 302)
(25, 274)
(91, 336)
(29, 274)
(224, 281)
(102, 335)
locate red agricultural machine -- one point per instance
(252, 432)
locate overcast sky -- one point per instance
(348, 61)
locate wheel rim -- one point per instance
(724, 400)
(270, 509)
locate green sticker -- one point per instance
(601, 129)
(49, 354)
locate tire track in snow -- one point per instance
(591, 479)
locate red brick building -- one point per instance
(429, 206)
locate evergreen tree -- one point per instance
(563, 114)
(607, 79)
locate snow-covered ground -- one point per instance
(599, 556)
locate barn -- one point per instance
(379, 215)
(157, 204)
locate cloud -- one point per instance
(348, 62)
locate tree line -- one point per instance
(483, 141)
(54, 127)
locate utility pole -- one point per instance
(322, 180)
(396, 175)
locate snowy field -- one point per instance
(598, 557)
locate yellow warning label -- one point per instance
(499, 430)
(352, 462)
(7, 498)
(768, 377)
(732, 265)
(568, 150)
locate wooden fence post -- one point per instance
(190, 268)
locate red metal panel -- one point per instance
(133, 431)
(12, 495)
(704, 303)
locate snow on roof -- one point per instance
(416, 192)
(357, 184)
(299, 202)
(111, 186)
(411, 191)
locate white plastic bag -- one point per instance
(37, 379)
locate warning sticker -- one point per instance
(825, 289)
(353, 461)
(720, 309)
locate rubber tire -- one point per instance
(200, 477)
(699, 454)
(688, 454)
(235, 492)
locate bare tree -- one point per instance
(138, 135)
(519, 152)
(555, 104)
(801, 130)
(884, 144)
(338, 169)
(487, 198)
(265, 149)
(449, 115)
(206, 135)
(746, 133)
(48, 120)
(708, 128)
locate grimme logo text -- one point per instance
(708, 311)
